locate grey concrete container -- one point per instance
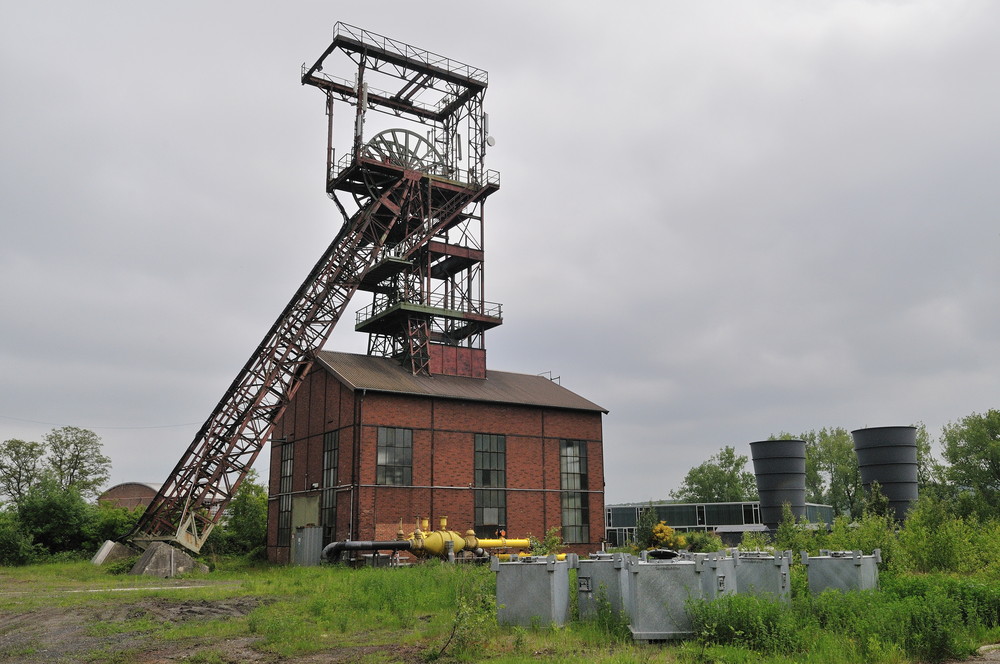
(764, 573)
(717, 572)
(842, 570)
(658, 591)
(888, 455)
(603, 575)
(533, 591)
(780, 469)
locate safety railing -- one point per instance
(444, 302)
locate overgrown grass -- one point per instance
(447, 613)
(926, 619)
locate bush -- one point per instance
(933, 539)
(927, 627)
(753, 540)
(700, 542)
(758, 623)
(797, 536)
(551, 543)
(872, 531)
(109, 522)
(977, 602)
(59, 520)
(665, 537)
(16, 546)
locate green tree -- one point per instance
(648, 520)
(246, 525)
(110, 522)
(721, 479)
(20, 467)
(243, 530)
(929, 470)
(75, 460)
(972, 448)
(58, 519)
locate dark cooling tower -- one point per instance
(888, 455)
(780, 467)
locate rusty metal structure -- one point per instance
(412, 200)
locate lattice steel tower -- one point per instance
(428, 306)
(412, 200)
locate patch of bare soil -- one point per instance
(58, 634)
(68, 635)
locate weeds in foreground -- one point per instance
(475, 614)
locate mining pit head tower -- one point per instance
(422, 180)
(412, 199)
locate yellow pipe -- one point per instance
(435, 542)
(504, 543)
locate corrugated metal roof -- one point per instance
(381, 374)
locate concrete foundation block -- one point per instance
(111, 552)
(161, 559)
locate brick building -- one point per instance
(365, 444)
(130, 494)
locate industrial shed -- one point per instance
(365, 445)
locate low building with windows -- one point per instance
(366, 448)
(728, 520)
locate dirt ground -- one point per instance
(64, 635)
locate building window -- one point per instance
(573, 482)
(328, 505)
(751, 512)
(490, 468)
(395, 457)
(285, 495)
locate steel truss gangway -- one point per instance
(413, 214)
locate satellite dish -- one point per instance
(490, 141)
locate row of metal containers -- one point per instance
(653, 593)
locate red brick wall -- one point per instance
(128, 495)
(457, 361)
(443, 445)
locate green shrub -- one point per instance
(551, 543)
(16, 546)
(928, 627)
(976, 601)
(798, 536)
(761, 624)
(58, 519)
(610, 624)
(123, 566)
(872, 531)
(700, 542)
(935, 540)
(753, 540)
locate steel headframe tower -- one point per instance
(412, 236)
(427, 284)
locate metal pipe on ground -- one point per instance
(336, 548)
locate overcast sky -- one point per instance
(718, 220)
